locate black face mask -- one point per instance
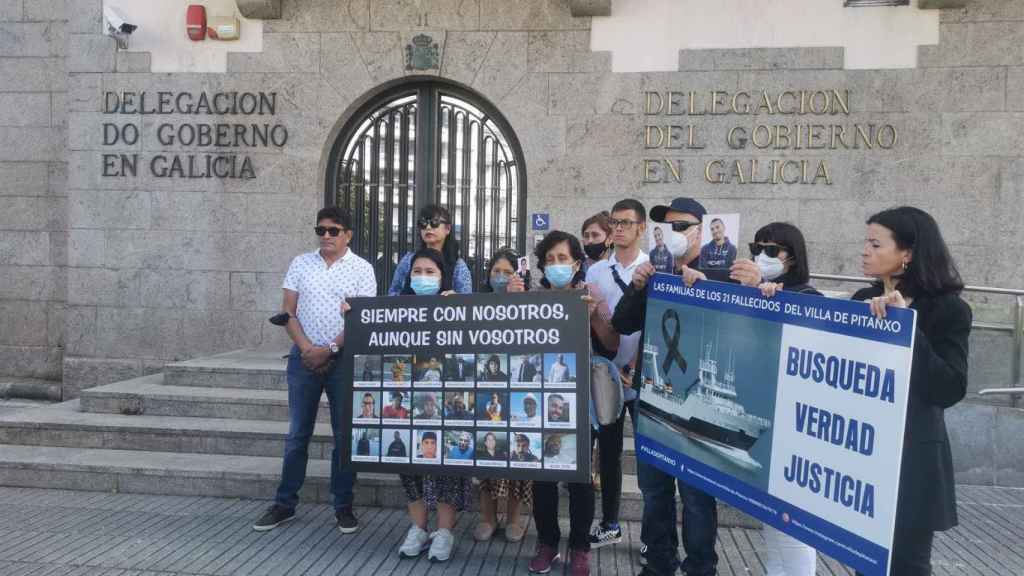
(594, 251)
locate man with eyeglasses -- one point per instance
(700, 514)
(315, 290)
(609, 279)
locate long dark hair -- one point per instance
(554, 238)
(790, 237)
(450, 248)
(436, 258)
(512, 258)
(931, 270)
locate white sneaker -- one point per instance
(441, 547)
(415, 542)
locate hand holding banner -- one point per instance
(794, 413)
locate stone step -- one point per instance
(65, 425)
(149, 396)
(144, 472)
(261, 369)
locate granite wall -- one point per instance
(128, 272)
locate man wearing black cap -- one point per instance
(700, 513)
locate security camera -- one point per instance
(117, 26)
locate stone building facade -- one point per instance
(109, 270)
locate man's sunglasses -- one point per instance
(683, 226)
(770, 250)
(331, 231)
(423, 223)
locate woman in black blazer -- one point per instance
(905, 252)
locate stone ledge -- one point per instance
(581, 8)
(260, 9)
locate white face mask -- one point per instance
(676, 242)
(771, 268)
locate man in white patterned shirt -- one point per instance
(315, 289)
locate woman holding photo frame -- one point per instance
(515, 493)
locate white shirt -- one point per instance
(600, 274)
(322, 289)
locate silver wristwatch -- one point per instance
(334, 347)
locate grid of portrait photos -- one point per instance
(491, 410)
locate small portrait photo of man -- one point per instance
(492, 448)
(560, 370)
(526, 370)
(492, 371)
(428, 447)
(366, 407)
(526, 450)
(397, 371)
(427, 370)
(367, 371)
(459, 447)
(397, 442)
(425, 408)
(459, 370)
(491, 408)
(560, 410)
(525, 410)
(559, 451)
(719, 252)
(366, 444)
(397, 409)
(458, 407)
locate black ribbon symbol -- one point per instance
(672, 342)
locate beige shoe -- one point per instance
(484, 532)
(515, 531)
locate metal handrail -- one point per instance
(1016, 328)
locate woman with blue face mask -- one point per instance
(500, 272)
(428, 276)
(560, 259)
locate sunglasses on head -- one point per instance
(683, 226)
(435, 222)
(332, 231)
(770, 250)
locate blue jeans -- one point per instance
(700, 524)
(304, 390)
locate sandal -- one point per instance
(514, 531)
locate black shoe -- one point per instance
(274, 517)
(603, 535)
(347, 521)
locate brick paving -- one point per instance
(66, 533)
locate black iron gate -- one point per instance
(429, 131)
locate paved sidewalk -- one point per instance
(62, 533)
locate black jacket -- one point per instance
(938, 380)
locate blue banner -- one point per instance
(790, 408)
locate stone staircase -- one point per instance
(212, 426)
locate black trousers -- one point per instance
(912, 554)
(581, 513)
(609, 443)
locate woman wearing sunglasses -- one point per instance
(435, 225)
(780, 263)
